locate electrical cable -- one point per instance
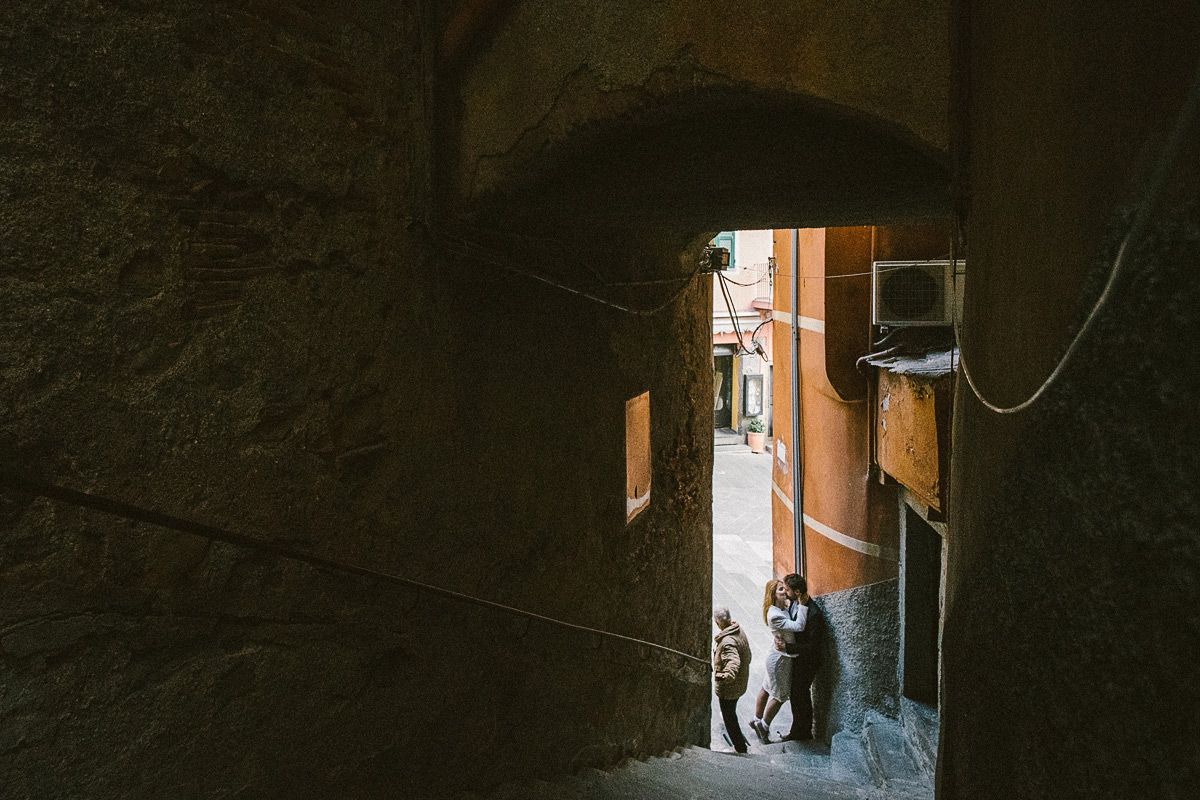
(737, 327)
(650, 281)
(1154, 191)
(856, 274)
(758, 348)
(759, 327)
(467, 249)
(736, 322)
(553, 246)
(745, 285)
(137, 514)
(733, 319)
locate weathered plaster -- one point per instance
(632, 52)
(703, 117)
(215, 305)
(1070, 632)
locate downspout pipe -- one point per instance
(797, 455)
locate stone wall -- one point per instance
(1070, 630)
(539, 78)
(859, 663)
(702, 116)
(215, 304)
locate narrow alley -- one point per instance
(742, 565)
(357, 363)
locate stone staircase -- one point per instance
(873, 764)
(729, 441)
(880, 756)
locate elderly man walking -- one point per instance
(731, 673)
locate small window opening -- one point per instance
(637, 455)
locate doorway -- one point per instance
(920, 608)
(722, 390)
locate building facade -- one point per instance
(741, 311)
(865, 473)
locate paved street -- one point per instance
(742, 565)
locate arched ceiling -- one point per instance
(695, 114)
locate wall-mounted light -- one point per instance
(714, 259)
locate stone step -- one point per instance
(888, 752)
(727, 438)
(849, 761)
(798, 755)
(796, 770)
(667, 781)
(909, 790)
(756, 776)
(921, 730)
(533, 790)
(615, 784)
(812, 748)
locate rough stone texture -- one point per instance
(858, 671)
(708, 115)
(634, 55)
(1071, 633)
(793, 769)
(214, 305)
(922, 729)
(1083, 663)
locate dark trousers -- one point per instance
(802, 707)
(729, 717)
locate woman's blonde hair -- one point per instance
(769, 596)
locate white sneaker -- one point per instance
(760, 728)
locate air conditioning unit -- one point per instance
(910, 293)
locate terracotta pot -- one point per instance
(756, 441)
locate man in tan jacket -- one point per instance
(731, 673)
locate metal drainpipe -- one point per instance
(797, 459)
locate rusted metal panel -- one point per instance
(912, 423)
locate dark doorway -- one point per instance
(920, 605)
(722, 391)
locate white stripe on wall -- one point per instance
(807, 323)
(786, 500)
(858, 545)
(812, 324)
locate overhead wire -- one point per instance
(733, 317)
(1152, 195)
(723, 280)
(465, 248)
(169, 522)
(727, 279)
(858, 274)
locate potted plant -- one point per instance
(754, 434)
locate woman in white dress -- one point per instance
(777, 685)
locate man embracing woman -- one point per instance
(786, 607)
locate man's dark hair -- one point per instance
(796, 583)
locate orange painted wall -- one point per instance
(847, 303)
(851, 527)
(905, 242)
(781, 478)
